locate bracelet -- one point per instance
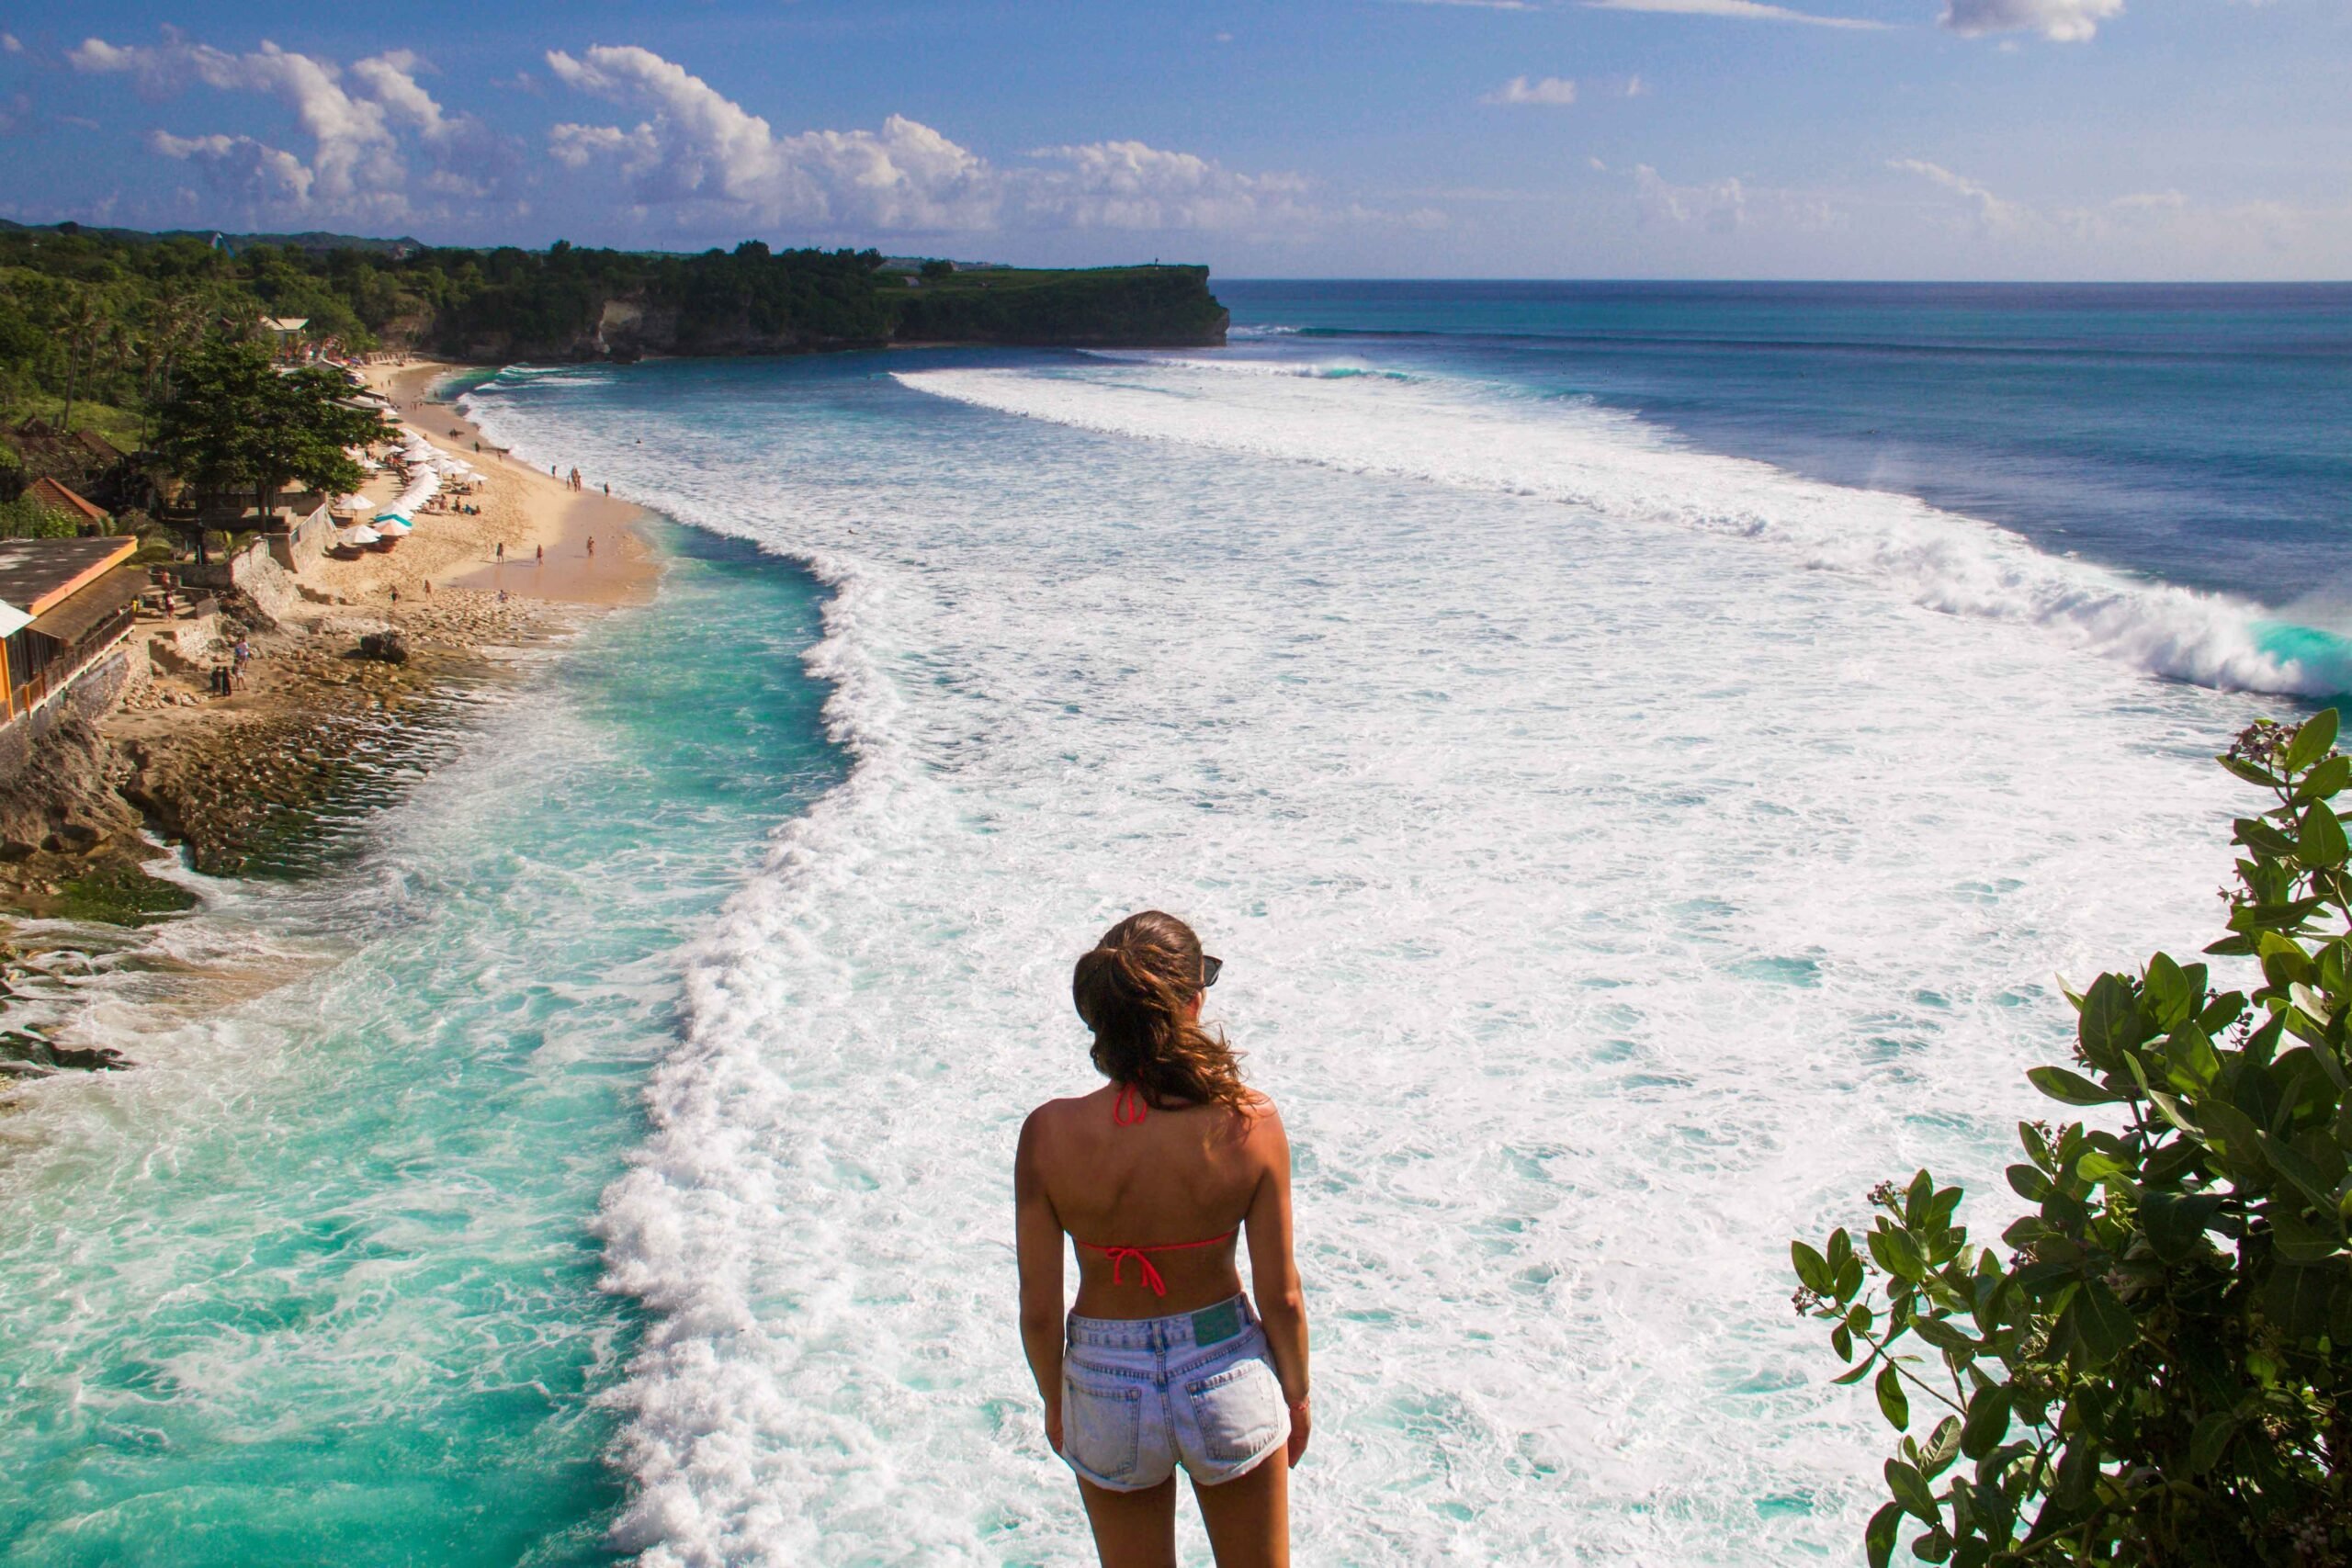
(1298, 1403)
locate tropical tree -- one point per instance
(80, 322)
(2155, 1368)
(236, 421)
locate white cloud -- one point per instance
(1551, 90)
(1635, 87)
(2063, 21)
(1991, 210)
(707, 159)
(1719, 208)
(1743, 10)
(264, 173)
(11, 43)
(356, 168)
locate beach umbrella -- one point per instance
(357, 535)
(394, 527)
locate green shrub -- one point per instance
(25, 518)
(2154, 1372)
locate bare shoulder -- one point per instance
(1264, 1125)
(1048, 1120)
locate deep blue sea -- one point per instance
(1647, 754)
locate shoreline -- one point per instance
(265, 781)
(522, 509)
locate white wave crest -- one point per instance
(1584, 455)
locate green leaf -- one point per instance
(2292, 1165)
(1944, 1337)
(1812, 1268)
(1987, 1423)
(1849, 1277)
(2098, 1168)
(2232, 1131)
(1879, 1535)
(1842, 1247)
(2174, 1222)
(2249, 772)
(2298, 1298)
(2071, 1087)
(1898, 1254)
(2168, 992)
(1933, 1546)
(2105, 1324)
(1942, 1447)
(2111, 1021)
(1841, 1339)
(1910, 1489)
(2312, 738)
(2299, 1239)
(2028, 1183)
(2328, 779)
(2222, 1012)
(1893, 1403)
(2322, 845)
(2210, 1440)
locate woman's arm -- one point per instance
(1274, 1273)
(1037, 1243)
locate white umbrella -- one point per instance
(359, 534)
(394, 527)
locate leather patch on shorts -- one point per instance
(1214, 1326)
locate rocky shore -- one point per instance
(316, 729)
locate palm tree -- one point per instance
(78, 324)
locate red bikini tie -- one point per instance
(1127, 1107)
(1147, 1276)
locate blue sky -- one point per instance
(1993, 138)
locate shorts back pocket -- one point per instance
(1100, 1418)
(1239, 1410)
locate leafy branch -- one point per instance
(2150, 1368)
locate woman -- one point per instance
(1164, 1360)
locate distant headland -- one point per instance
(573, 303)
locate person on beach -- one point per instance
(500, 556)
(1164, 1360)
(591, 546)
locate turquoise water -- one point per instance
(1647, 763)
(317, 1283)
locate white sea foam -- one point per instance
(1603, 905)
(1588, 456)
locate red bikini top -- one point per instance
(1127, 1110)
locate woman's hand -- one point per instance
(1300, 1422)
(1054, 1429)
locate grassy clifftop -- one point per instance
(1140, 307)
(565, 303)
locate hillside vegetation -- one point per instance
(100, 316)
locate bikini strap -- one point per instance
(1127, 1107)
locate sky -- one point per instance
(1818, 138)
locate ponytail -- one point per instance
(1135, 991)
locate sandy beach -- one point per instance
(230, 777)
(522, 508)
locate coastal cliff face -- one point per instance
(728, 311)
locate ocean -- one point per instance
(1648, 756)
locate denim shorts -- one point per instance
(1141, 1396)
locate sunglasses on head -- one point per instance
(1209, 970)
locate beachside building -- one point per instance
(89, 516)
(287, 330)
(64, 606)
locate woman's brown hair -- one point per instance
(1136, 991)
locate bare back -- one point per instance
(1179, 1175)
